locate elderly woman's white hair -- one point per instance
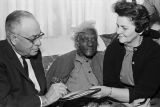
(87, 27)
(84, 25)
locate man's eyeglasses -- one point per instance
(34, 37)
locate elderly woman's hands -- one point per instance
(141, 103)
(105, 91)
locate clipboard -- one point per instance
(78, 94)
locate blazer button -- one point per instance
(135, 49)
(133, 62)
(89, 71)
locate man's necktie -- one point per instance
(25, 66)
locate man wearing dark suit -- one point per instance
(22, 79)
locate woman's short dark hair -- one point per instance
(135, 12)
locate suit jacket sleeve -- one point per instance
(8, 100)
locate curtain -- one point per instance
(57, 17)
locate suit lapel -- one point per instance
(39, 73)
(14, 59)
(37, 66)
(19, 66)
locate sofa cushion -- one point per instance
(107, 38)
(47, 61)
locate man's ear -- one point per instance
(12, 37)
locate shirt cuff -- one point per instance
(40, 101)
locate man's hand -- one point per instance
(55, 92)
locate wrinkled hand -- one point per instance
(105, 91)
(92, 104)
(55, 92)
(136, 103)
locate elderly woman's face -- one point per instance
(87, 45)
(126, 30)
